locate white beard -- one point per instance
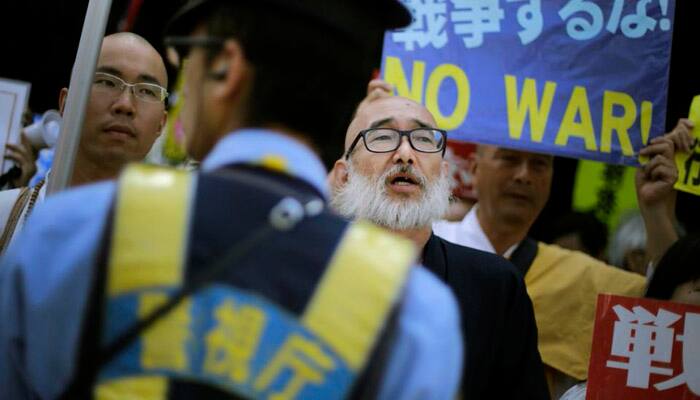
(364, 198)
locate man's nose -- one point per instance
(523, 172)
(125, 104)
(405, 153)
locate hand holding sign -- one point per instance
(377, 89)
(654, 182)
(24, 157)
(682, 135)
(655, 179)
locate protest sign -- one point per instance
(688, 164)
(578, 78)
(457, 156)
(644, 349)
(13, 100)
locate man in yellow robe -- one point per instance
(512, 188)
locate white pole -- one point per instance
(79, 94)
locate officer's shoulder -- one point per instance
(426, 292)
(76, 204)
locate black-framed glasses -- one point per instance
(112, 85)
(386, 140)
(179, 47)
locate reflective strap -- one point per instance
(141, 388)
(149, 242)
(358, 290)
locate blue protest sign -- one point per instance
(579, 78)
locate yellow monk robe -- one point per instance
(564, 287)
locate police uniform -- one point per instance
(277, 298)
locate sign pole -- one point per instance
(81, 80)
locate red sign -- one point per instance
(644, 349)
(457, 155)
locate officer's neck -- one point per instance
(418, 236)
(293, 134)
(274, 127)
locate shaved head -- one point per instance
(129, 36)
(129, 41)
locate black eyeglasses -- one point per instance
(179, 47)
(386, 140)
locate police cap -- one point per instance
(352, 18)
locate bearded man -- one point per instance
(393, 174)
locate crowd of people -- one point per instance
(263, 275)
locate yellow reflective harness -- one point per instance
(233, 339)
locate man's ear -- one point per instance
(231, 68)
(445, 166)
(62, 96)
(338, 176)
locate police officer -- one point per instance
(233, 282)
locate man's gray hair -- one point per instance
(629, 235)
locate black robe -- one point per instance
(498, 323)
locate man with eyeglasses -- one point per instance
(126, 111)
(393, 174)
(124, 116)
(235, 281)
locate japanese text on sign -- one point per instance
(645, 347)
(580, 78)
(471, 20)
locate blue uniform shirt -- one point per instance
(45, 282)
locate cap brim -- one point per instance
(397, 15)
(182, 23)
(393, 14)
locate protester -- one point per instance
(393, 174)
(512, 188)
(124, 116)
(244, 285)
(676, 278)
(628, 244)
(580, 231)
